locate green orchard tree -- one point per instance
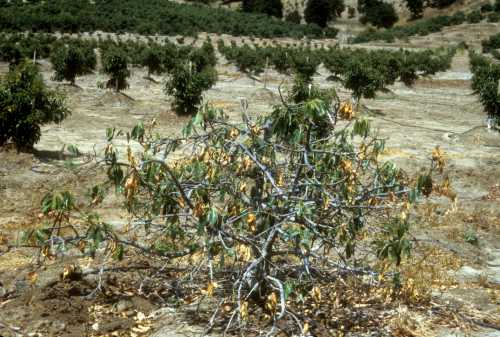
(152, 59)
(187, 84)
(115, 65)
(70, 61)
(25, 105)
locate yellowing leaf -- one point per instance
(251, 221)
(316, 294)
(211, 288)
(272, 301)
(305, 329)
(244, 310)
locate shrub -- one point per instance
(474, 17)
(115, 64)
(70, 61)
(25, 105)
(321, 12)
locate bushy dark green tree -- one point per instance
(269, 7)
(378, 13)
(70, 61)
(321, 12)
(25, 105)
(416, 8)
(115, 65)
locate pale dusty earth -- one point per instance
(437, 111)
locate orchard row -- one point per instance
(191, 69)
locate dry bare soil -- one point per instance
(438, 111)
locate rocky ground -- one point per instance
(438, 111)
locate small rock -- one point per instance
(494, 263)
(494, 275)
(123, 305)
(467, 273)
(58, 325)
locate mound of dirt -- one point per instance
(264, 94)
(115, 99)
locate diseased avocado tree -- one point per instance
(267, 209)
(70, 61)
(115, 65)
(25, 105)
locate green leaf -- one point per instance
(212, 216)
(138, 132)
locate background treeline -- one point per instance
(146, 17)
(431, 25)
